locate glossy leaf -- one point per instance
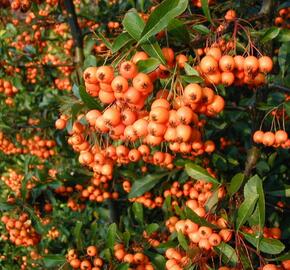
(148, 65)
(190, 71)
(144, 184)
(111, 235)
(245, 210)
(182, 241)
(205, 9)
(190, 214)
(121, 41)
(151, 228)
(133, 24)
(200, 28)
(138, 211)
(178, 31)
(161, 16)
(53, 260)
(236, 183)
(227, 253)
(270, 34)
(153, 49)
(266, 245)
(199, 173)
(91, 102)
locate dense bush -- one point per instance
(144, 134)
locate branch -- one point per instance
(266, 7)
(76, 34)
(279, 87)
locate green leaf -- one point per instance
(287, 107)
(212, 201)
(178, 31)
(105, 41)
(270, 34)
(138, 211)
(205, 9)
(179, 212)
(122, 40)
(182, 241)
(6, 206)
(199, 173)
(77, 234)
(190, 71)
(148, 65)
(283, 257)
(282, 58)
(261, 204)
(151, 228)
(191, 79)
(157, 260)
(161, 16)
(53, 260)
(245, 210)
(126, 238)
(254, 188)
(227, 253)
(91, 102)
(190, 214)
(266, 245)
(154, 51)
(122, 266)
(200, 28)
(90, 61)
(111, 235)
(144, 184)
(285, 192)
(133, 24)
(236, 183)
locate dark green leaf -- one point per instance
(122, 266)
(280, 192)
(227, 253)
(151, 228)
(6, 206)
(199, 173)
(190, 214)
(287, 107)
(111, 236)
(133, 24)
(212, 202)
(283, 257)
(191, 79)
(121, 41)
(102, 37)
(154, 50)
(77, 234)
(53, 260)
(236, 183)
(90, 61)
(138, 211)
(205, 9)
(145, 184)
(157, 260)
(266, 245)
(190, 71)
(182, 241)
(245, 210)
(148, 65)
(178, 31)
(91, 102)
(161, 16)
(202, 29)
(270, 34)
